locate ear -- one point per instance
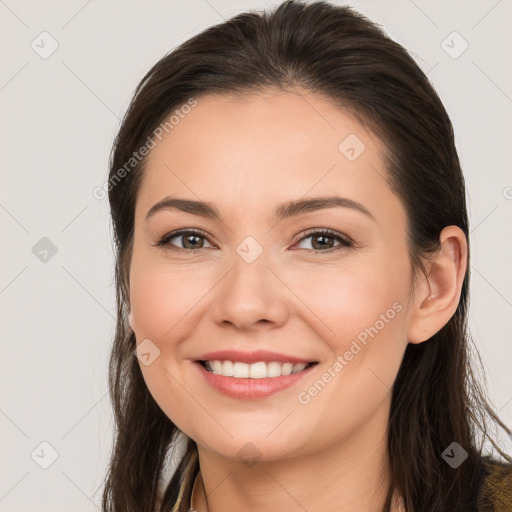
(436, 297)
(130, 320)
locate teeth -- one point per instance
(240, 370)
(258, 370)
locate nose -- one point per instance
(250, 296)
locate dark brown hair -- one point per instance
(340, 54)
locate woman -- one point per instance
(292, 277)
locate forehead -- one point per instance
(255, 150)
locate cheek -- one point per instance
(364, 314)
(367, 314)
(163, 304)
(348, 302)
(161, 298)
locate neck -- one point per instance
(353, 474)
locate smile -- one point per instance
(252, 381)
(258, 370)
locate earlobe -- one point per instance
(436, 297)
(130, 320)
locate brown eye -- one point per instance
(190, 240)
(325, 240)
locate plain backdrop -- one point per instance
(60, 112)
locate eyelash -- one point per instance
(344, 240)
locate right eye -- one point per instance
(191, 240)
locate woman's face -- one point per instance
(262, 277)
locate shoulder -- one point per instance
(496, 489)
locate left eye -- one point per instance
(322, 241)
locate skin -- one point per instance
(246, 156)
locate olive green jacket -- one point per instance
(495, 493)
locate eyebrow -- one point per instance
(285, 210)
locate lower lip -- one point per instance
(252, 389)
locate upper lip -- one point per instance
(252, 357)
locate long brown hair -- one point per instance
(335, 51)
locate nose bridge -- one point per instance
(250, 274)
(249, 291)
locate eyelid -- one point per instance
(164, 241)
(345, 240)
(332, 232)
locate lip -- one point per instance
(251, 389)
(251, 357)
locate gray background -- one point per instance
(59, 116)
